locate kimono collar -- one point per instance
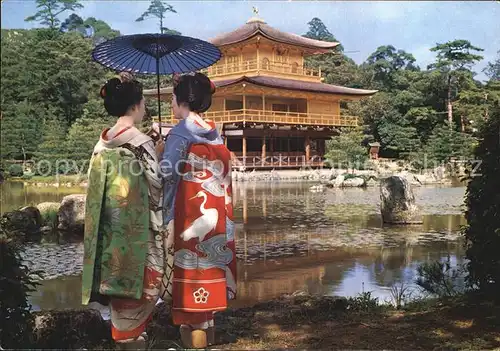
(130, 135)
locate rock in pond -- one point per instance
(337, 182)
(26, 220)
(398, 202)
(354, 182)
(71, 215)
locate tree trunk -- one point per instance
(486, 109)
(462, 123)
(161, 25)
(449, 106)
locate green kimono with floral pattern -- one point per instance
(116, 227)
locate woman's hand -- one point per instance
(159, 146)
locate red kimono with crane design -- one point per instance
(205, 260)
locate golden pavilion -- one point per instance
(273, 111)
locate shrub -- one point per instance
(16, 170)
(16, 282)
(364, 302)
(441, 278)
(482, 232)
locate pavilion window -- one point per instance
(235, 144)
(280, 107)
(234, 105)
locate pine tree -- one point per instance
(157, 9)
(50, 9)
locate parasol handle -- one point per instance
(158, 83)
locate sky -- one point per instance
(361, 26)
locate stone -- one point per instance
(34, 214)
(71, 214)
(372, 182)
(354, 182)
(337, 182)
(398, 202)
(26, 221)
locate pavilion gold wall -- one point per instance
(326, 107)
(267, 50)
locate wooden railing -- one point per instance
(223, 69)
(266, 116)
(280, 161)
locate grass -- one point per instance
(49, 217)
(74, 179)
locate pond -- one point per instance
(290, 239)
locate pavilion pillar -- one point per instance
(244, 150)
(263, 155)
(307, 146)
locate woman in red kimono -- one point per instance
(197, 210)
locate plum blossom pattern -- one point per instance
(201, 295)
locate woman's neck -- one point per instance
(125, 121)
(190, 113)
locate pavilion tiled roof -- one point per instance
(257, 26)
(292, 84)
(282, 83)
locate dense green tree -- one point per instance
(102, 30)
(335, 66)
(492, 70)
(454, 60)
(48, 10)
(71, 23)
(319, 31)
(445, 144)
(347, 150)
(84, 134)
(20, 131)
(158, 9)
(482, 232)
(51, 152)
(384, 63)
(397, 136)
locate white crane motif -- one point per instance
(204, 224)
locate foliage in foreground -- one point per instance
(483, 212)
(16, 282)
(347, 150)
(441, 279)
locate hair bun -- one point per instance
(110, 88)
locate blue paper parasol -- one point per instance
(156, 54)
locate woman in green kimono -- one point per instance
(127, 264)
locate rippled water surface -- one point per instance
(290, 239)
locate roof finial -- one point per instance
(255, 18)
